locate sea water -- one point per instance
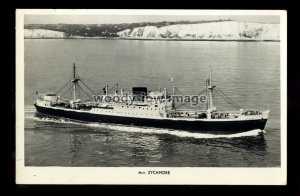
(248, 72)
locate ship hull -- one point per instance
(193, 126)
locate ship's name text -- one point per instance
(159, 172)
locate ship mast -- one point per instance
(74, 81)
(210, 89)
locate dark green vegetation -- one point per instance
(105, 30)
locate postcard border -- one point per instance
(129, 175)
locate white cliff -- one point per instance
(42, 33)
(229, 30)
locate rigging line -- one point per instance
(101, 90)
(87, 87)
(215, 98)
(197, 95)
(229, 98)
(79, 94)
(112, 88)
(68, 90)
(179, 105)
(223, 95)
(105, 88)
(85, 99)
(226, 99)
(62, 87)
(226, 96)
(70, 94)
(84, 91)
(176, 89)
(202, 91)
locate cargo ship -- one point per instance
(148, 109)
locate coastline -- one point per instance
(160, 39)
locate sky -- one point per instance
(116, 19)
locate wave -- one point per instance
(178, 133)
(146, 130)
(52, 120)
(29, 109)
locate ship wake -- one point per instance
(178, 133)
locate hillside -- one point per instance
(104, 30)
(220, 30)
(208, 30)
(42, 34)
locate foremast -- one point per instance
(75, 81)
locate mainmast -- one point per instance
(210, 89)
(74, 81)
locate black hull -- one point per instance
(194, 126)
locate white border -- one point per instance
(129, 175)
